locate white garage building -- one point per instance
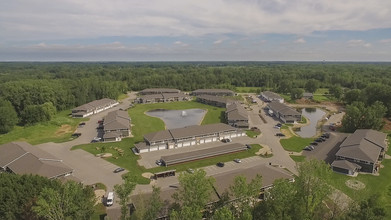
(188, 136)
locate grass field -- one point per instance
(322, 94)
(247, 89)
(59, 129)
(297, 158)
(252, 134)
(295, 144)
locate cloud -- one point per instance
(180, 43)
(218, 41)
(71, 19)
(385, 41)
(300, 41)
(358, 43)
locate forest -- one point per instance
(34, 92)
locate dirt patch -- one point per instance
(64, 129)
(99, 194)
(387, 125)
(264, 151)
(355, 184)
(340, 199)
(147, 175)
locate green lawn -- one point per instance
(59, 129)
(322, 94)
(297, 158)
(374, 184)
(144, 124)
(252, 133)
(122, 97)
(99, 212)
(247, 89)
(295, 143)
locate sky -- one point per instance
(195, 30)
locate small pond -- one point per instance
(313, 115)
(178, 118)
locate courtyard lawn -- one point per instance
(144, 124)
(252, 133)
(295, 144)
(59, 129)
(297, 158)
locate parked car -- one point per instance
(326, 135)
(76, 135)
(220, 164)
(314, 143)
(280, 135)
(309, 148)
(226, 140)
(238, 160)
(82, 124)
(119, 169)
(159, 162)
(248, 146)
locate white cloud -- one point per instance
(218, 41)
(180, 43)
(72, 19)
(385, 41)
(300, 41)
(358, 43)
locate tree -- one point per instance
(150, 208)
(312, 85)
(336, 91)
(245, 196)
(123, 192)
(368, 209)
(312, 186)
(223, 213)
(279, 202)
(71, 201)
(359, 116)
(194, 193)
(8, 116)
(353, 95)
(296, 93)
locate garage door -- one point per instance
(154, 148)
(185, 144)
(215, 139)
(162, 147)
(143, 150)
(208, 140)
(193, 143)
(233, 135)
(202, 141)
(179, 144)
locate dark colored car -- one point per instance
(314, 143)
(119, 169)
(76, 134)
(220, 164)
(326, 135)
(248, 146)
(280, 135)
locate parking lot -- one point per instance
(326, 150)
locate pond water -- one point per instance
(178, 118)
(314, 115)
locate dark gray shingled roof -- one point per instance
(190, 131)
(344, 164)
(363, 144)
(283, 109)
(235, 111)
(159, 90)
(23, 158)
(95, 104)
(214, 91)
(271, 95)
(116, 120)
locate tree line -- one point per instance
(49, 87)
(35, 197)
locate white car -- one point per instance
(237, 160)
(110, 199)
